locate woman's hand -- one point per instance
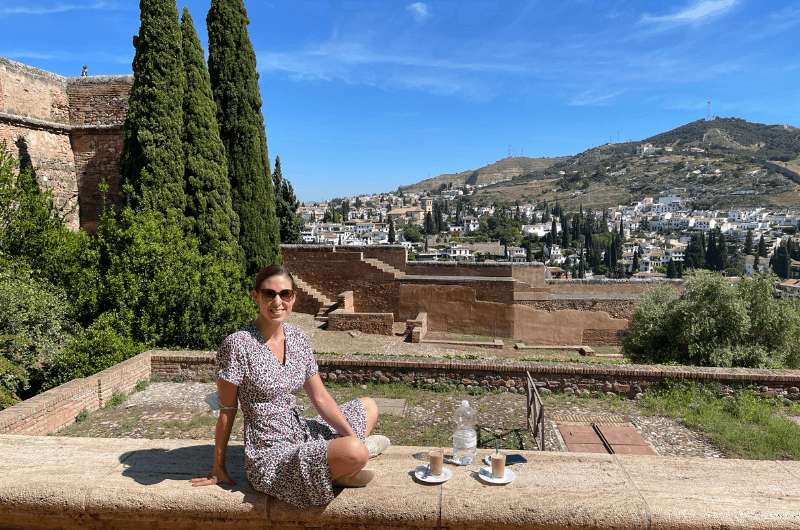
(218, 475)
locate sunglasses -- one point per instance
(270, 294)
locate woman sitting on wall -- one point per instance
(262, 366)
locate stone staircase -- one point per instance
(385, 267)
(326, 304)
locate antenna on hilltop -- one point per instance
(709, 117)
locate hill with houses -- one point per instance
(714, 163)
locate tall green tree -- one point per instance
(234, 80)
(748, 243)
(762, 247)
(286, 206)
(392, 235)
(695, 253)
(152, 154)
(209, 208)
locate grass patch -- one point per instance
(141, 385)
(116, 400)
(462, 356)
(577, 359)
(743, 425)
(82, 416)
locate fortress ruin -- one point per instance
(71, 130)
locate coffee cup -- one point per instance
(498, 465)
(436, 462)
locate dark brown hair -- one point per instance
(269, 272)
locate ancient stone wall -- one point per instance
(615, 308)
(32, 93)
(58, 407)
(607, 288)
(375, 323)
(98, 101)
(374, 291)
(449, 268)
(71, 130)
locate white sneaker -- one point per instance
(376, 444)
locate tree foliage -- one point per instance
(208, 191)
(286, 206)
(234, 79)
(715, 323)
(152, 155)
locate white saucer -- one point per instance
(421, 473)
(485, 475)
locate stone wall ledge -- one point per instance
(132, 483)
(35, 123)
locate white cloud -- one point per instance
(419, 10)
(697, 12)
(593, 98)
(54, 8)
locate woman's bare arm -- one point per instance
(227, 393)
(326, 406)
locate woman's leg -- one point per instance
(346, 456)
(371, 408)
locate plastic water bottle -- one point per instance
(465, 439)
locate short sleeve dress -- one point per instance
(285, 453)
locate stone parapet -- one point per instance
(49, 411)
(73, 483)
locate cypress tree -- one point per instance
(392, 236)
(748, 243)
(232, 67)
(712, 252)
(152, 153)
(762, 247)
(286, 206)
(208, 191)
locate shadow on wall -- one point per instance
(152, 466)
(25, 162)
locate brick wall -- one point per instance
(621, 379)
(101, 100)
(32, 93)
(615, 308)
(375, 323)
(445, 268)
(73, 132)
(374, 291)
(53, 161)
(607, 287)
(182, 366)
(97, 159)
(58, 407)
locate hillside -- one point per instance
(502, 170)
(716, 163)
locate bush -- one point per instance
(162, 289)
(33, 326)
(715, 323)
(102, 345)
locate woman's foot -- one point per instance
(376, 444)
(356, 480)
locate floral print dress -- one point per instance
(285, 453)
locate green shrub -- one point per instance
(33, 327)
(715, 323)
(162, 288)
(102, 345)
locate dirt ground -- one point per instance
(187, 410)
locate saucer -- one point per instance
(485, 475)
(421, 474)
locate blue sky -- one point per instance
(362, 96)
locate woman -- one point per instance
(287, 456)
